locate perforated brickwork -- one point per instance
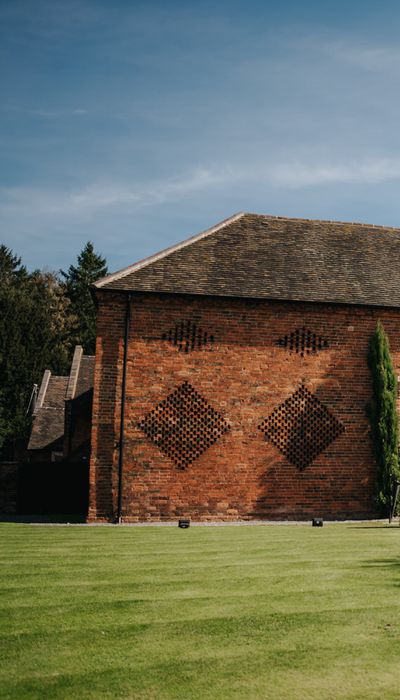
(188, 335)
(301, 428)
(303, 341)
(184, 425)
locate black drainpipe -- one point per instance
(122, 421)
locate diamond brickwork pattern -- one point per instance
(301, 427)
(184, 425)
(187, 336)
(303, 342)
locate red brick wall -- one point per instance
(244, 376)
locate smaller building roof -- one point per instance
(48, 417)
(48, 423)
(269, 257)
(81, 374)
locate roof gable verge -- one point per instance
(167, 251)
(73, 375)
(42, 390)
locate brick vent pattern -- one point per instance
(301, 427)
(303, 341)
(187, 336)
(184, 425)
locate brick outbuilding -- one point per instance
(61, 417)
(231, 375)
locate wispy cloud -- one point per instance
(45, 112)
(51, 114)
(97, 197)
(158, 192)
(374, 171)
(52, 20)
(372, 58)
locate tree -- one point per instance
(383, 417)
(35, 330)
(10, 266)
(13, 278)
(78, 280)
(41, 320)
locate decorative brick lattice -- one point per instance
(301, 428)
(303, 341)
(187, 336)
(184, 425)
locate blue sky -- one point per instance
(136, 124)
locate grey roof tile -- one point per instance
(48, 420)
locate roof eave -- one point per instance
(101, 284)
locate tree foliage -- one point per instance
(78, 279)
(383, 416)
(41, 320)
(34, 334)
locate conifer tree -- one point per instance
(383, 417)
(78, 279)
(10, 266)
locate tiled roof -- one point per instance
(48, 419)
(85, 376)
(266, 257)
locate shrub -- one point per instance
(383, 418)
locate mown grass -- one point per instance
(276, 612)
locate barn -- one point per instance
(231, 376)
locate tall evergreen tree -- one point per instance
(11, 268)
(383, 417)
(90, 267)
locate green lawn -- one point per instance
(290, 612)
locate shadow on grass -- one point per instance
(385, 566)
(382, 563)
(43, 519)
(374, 527)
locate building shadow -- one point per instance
(104, 439)
(34, 519)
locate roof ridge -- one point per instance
(167, 251)
(321, 221)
